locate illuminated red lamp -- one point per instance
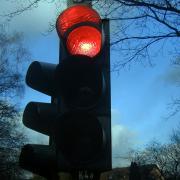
(74, 15)
(79, 27)
(84, 40)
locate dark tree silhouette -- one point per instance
(12, 56)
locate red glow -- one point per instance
(74, 15)
(84, 40)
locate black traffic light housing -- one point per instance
(81, 118)
(78, 121)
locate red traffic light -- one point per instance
(80, 28)
(84, 40)
(74, 15)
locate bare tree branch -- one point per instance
(148, 4)
(155, 17)
(21, 10)
(145, 37)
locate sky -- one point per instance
(139, 95)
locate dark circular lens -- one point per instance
(80, 137)
(80, 82)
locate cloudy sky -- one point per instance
(140, 95)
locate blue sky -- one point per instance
(139, 95)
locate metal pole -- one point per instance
(74, 2)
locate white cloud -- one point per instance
(123, 139)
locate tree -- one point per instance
(12, 55)
(173, 154)
(145, 27)
(165, 156)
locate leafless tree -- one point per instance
(165, 156)
(12, 55)
(173, 154)
(143, 29)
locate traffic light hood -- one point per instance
(40, 116)
(40, 76)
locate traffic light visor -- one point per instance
(75, 15)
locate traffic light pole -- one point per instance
(73, 2)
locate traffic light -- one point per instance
(83, 129)
(78, 120)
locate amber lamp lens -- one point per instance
(84, 40)
(74, 15)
